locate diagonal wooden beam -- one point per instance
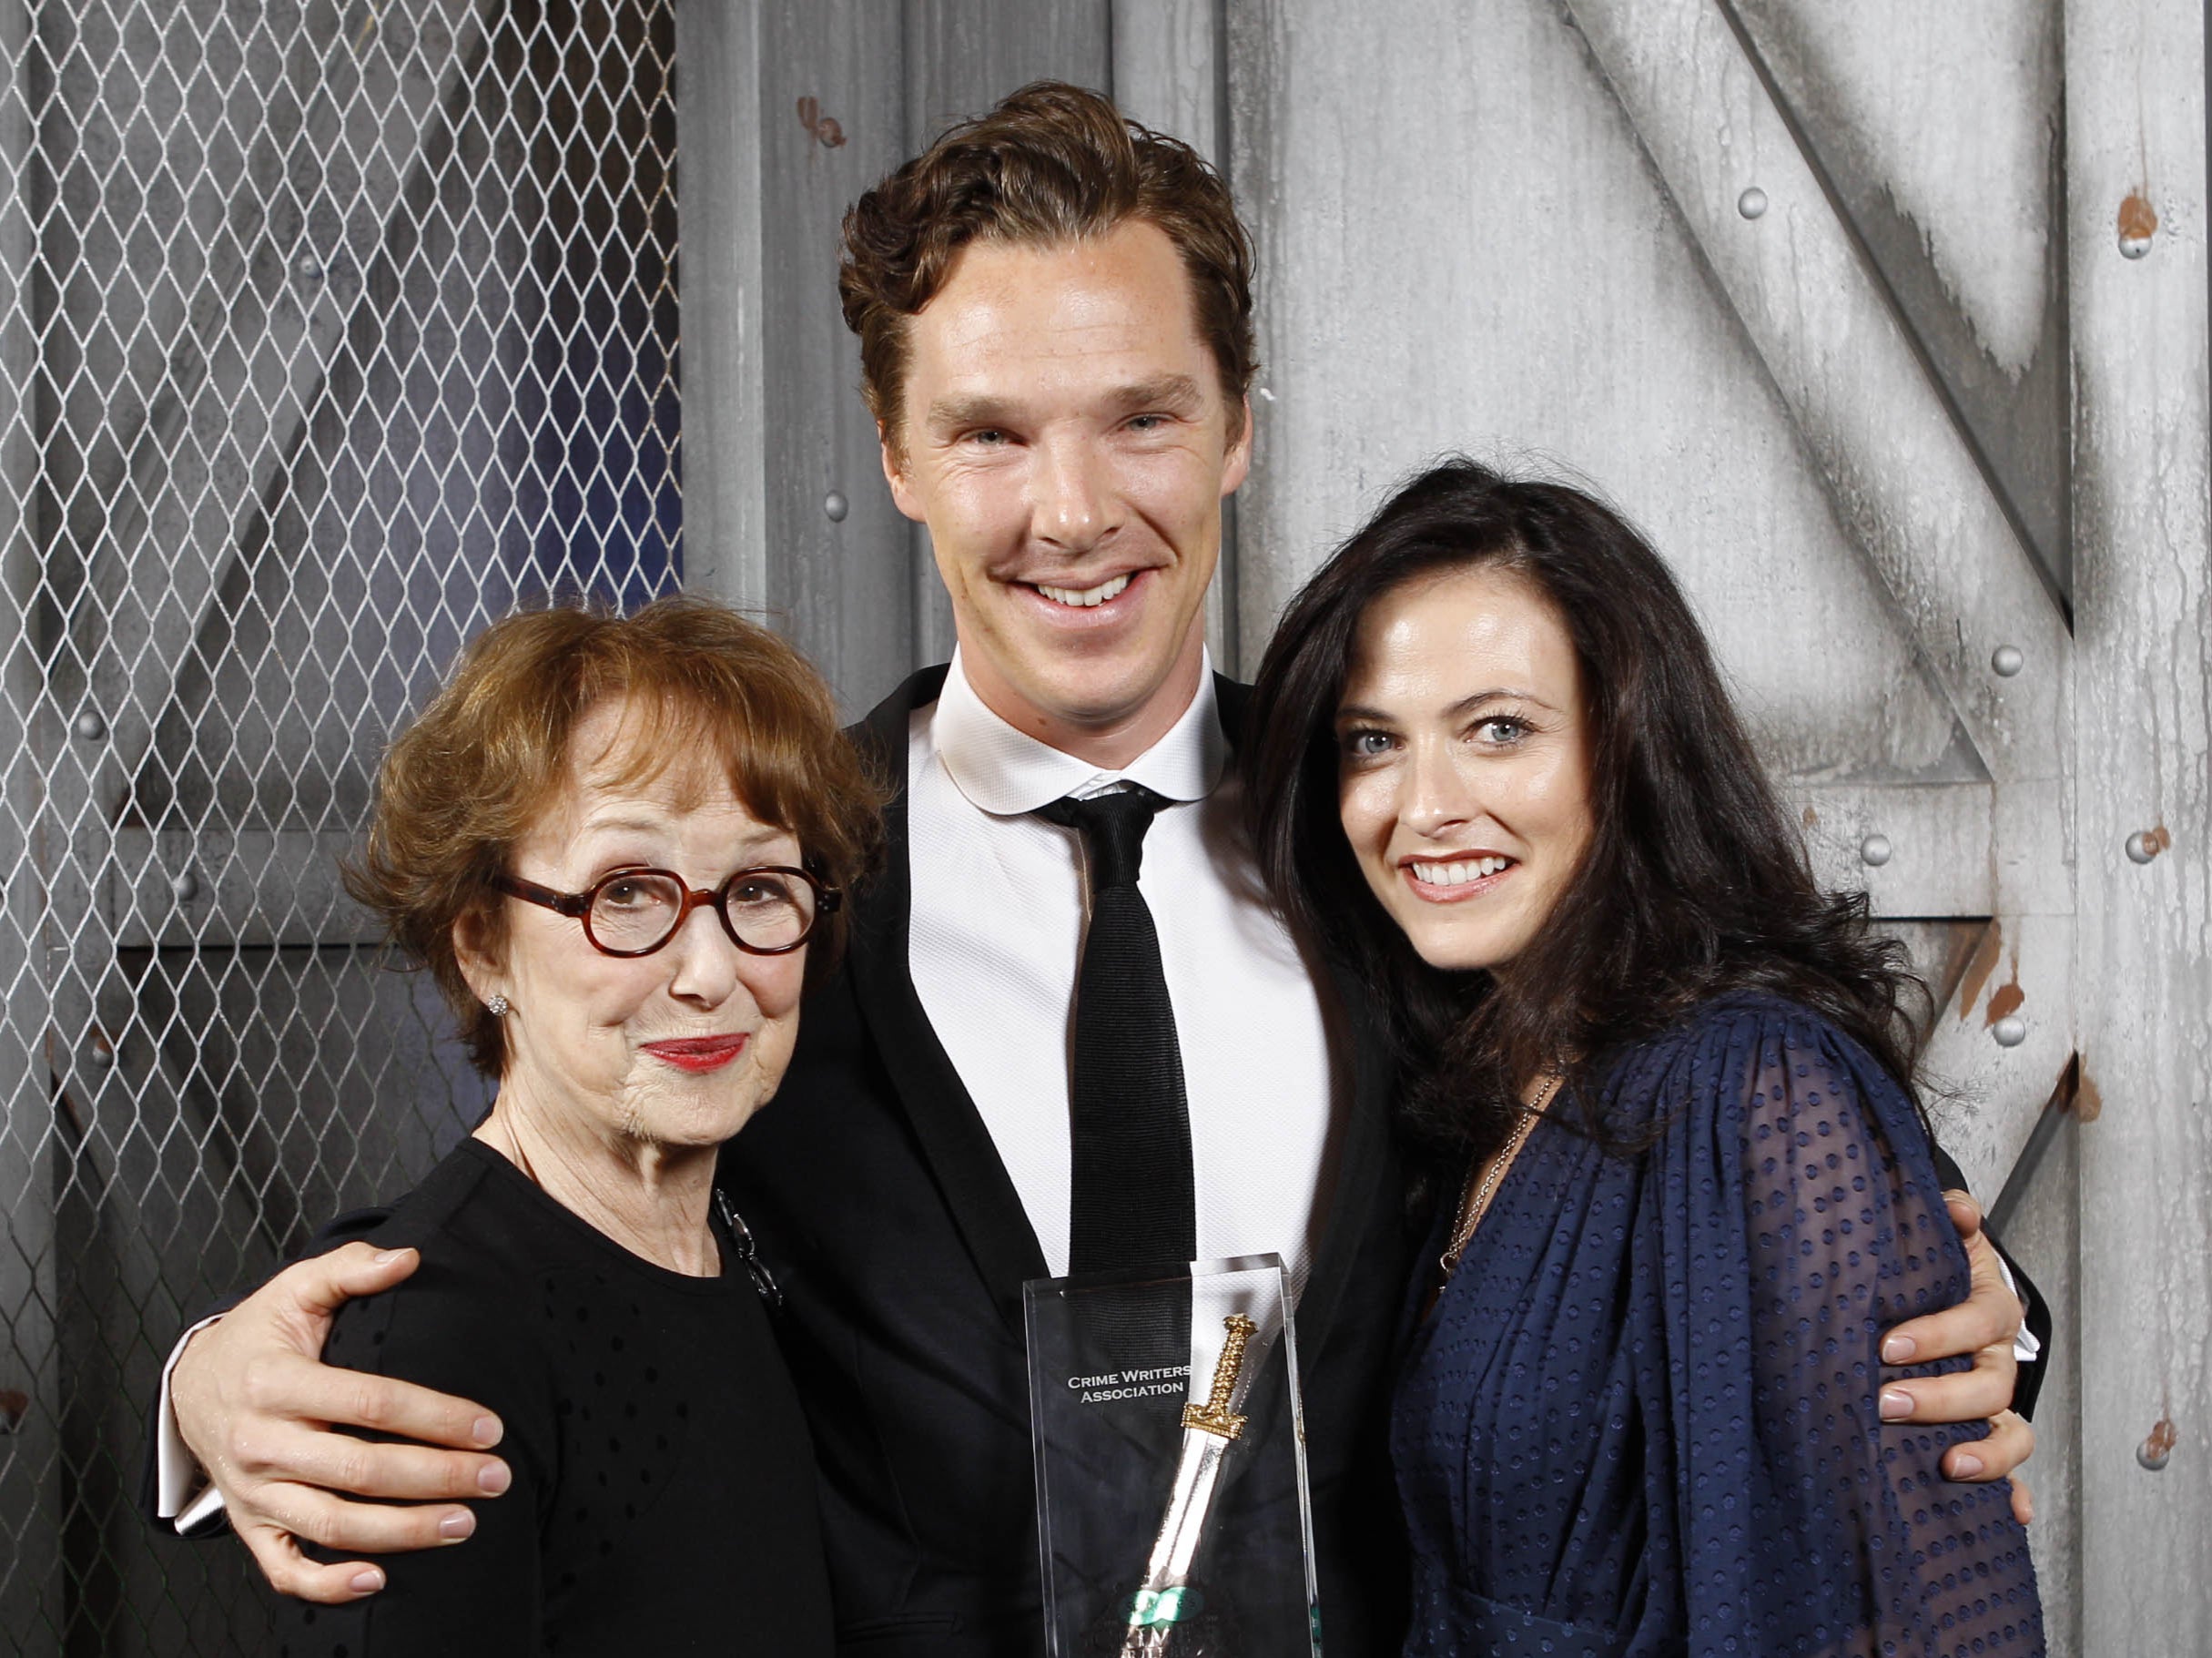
(212, 445)
(1910, 490)
(1905, 482)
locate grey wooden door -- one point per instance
(328, 332)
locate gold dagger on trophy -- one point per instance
(1208, 1430)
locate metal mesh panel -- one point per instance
(327, 333)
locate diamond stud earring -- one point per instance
(497, 1007)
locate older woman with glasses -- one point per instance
(617, 845)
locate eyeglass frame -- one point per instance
(577, 906)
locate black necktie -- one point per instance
(1133, 1204)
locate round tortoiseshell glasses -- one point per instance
(768, 911)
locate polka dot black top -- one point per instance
(1642, 1420)
(663, 1498)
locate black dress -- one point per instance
(663, 1498)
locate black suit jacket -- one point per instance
(881, 1203)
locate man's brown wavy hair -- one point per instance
(1052, 164)
(465, 782)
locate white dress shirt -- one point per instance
(997, 928)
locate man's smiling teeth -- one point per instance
(1458, 873)
(1083, 598)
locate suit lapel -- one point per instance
(979, 1194)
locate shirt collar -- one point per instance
(1008, 772)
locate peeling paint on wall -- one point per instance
(2008, 998)
(2088, 1104)
(1978, 970)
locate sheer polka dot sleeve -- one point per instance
(1808, 1220)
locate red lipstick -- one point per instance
(699, 1054)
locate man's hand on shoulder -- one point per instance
(1984, 1325)
(264, 1415)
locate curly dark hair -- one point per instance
(467, 778)
(1052, 164)
(1695, 882)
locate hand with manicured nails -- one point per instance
(263, 1415)
(1983, 1324)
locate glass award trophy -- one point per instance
(1172, 1507)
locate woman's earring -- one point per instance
(497, 1007)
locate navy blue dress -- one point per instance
(1642, 1418)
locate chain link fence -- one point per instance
(327, 332)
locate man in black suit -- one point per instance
(1054, 311)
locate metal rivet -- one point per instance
(102, 1051)
(2005, 661)
(837, 506)
(185, 884)
(2138, 223)
(2141, 848)
(307, 267)
(2010, 1031)
(2157, 1448)
(1876, 851)
(90, 726)
(1752, 202)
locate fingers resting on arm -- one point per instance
(1984, 1326)
(2011, 1442)
(257, 1407)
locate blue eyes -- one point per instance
(1498, 731)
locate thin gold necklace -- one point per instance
(1474, 1198)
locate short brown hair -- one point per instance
(462, 784)
(1052, 164)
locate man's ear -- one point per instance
(480, 960)
(1237, 462)
(903, 494)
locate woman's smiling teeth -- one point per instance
(1084, 597)
(1459, 872)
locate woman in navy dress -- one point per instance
(1681, 1185)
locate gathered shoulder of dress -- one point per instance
(664, 1499)
(1642, 1418)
